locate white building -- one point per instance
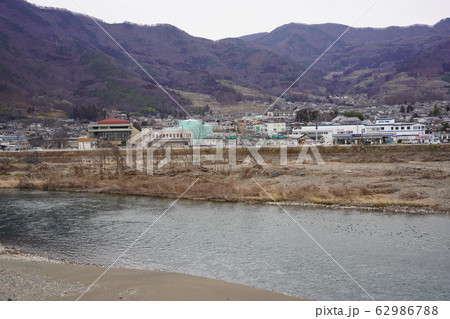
(282, 115)
(383, 131)
(176, 136)
(327, 131)
(275, 128)
(401, 130)
(87, 144)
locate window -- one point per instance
(403, 127)
(382, 128)
(396, 127)
(392, 128)
(408, 128)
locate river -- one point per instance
(392, 256)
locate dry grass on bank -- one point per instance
(408, 181)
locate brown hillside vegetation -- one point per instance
(55, 59)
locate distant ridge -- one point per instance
(57, 59)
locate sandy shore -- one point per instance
(30, 277)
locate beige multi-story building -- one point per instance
(113, 130)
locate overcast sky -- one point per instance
(218, 19)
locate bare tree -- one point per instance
(60, 137)
(107, 150)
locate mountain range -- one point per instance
(56, 59)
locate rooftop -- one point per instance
(113, 121)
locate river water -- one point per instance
(393, 257)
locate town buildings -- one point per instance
(14, 143)
(324, 124)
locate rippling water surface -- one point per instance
(394, 257)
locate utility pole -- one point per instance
(317, 127)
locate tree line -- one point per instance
(90, 113)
